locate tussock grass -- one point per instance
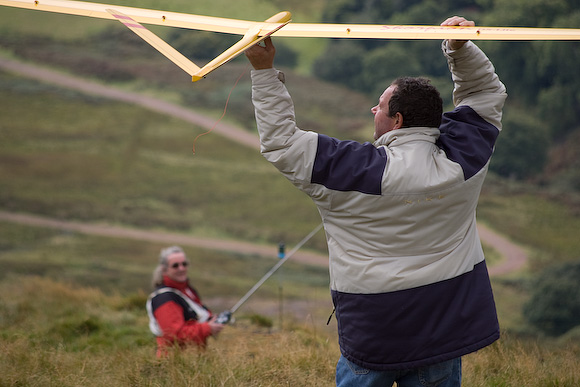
(513, 362)
(58, 334)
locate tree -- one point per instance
(341, 63)
(554, 307)
(542, 73)
(383, 65)
(521, 150)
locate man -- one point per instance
(176, 313)
(407, 272)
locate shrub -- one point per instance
(554, 307)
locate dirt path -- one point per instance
(158, 236)
(514, 257)
(93, 88)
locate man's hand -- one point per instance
(262, 57)
(457, 21)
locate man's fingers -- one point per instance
(458, 21)
(268, 43)
(262, 57)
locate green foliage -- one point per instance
(554, 307)
(563, 171)
(521, 149)
(365, 65)
(528, 13)
(542, 74)
(342, 62)
(560, 101)
(384, 65)
(351, 11)
(261, 321)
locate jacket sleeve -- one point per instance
(171, 321)
(475, 82)
(289, 148)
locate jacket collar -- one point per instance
(404, 135)
(174, 284)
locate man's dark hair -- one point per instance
(418, 101)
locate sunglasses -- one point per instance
(176, 264)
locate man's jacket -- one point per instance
(407, 271)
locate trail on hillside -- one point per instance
(514, 257)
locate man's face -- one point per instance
(383, 123)
(177, 267)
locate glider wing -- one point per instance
(140, 15)
(316, 30)
(155, 41)
(371, 31)
(253, 36)
(254, 32)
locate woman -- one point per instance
(176, 313)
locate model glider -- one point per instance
(254, 32)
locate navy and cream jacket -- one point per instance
(407, 271)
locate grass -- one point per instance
(513, 362)
(94, 340)
(543, 223)
(116, 265)
(70, 336)
(76, 157)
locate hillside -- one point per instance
(75, 157)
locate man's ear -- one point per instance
(398, 121)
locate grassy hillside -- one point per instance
(71, 156)
(71, 305)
